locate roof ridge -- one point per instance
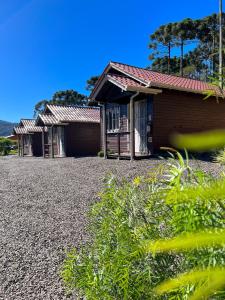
(75, 106)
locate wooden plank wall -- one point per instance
(181, 112)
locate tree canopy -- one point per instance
(198, 41)
(91, 83)
(67, 97)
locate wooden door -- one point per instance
(141, 127)
(27, 144)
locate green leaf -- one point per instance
(200, 141)
(187, 242)
(213, 280)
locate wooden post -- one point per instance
(118, 141)
(22, 145)
(132, 141)
(18, 144)
(104, 133)
(52, 146)
(31, 138)
(43, 142)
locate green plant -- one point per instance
(110, 267)
(5, 146)
(13, 151)
(219, 157)
(152, 229)
(101, 153)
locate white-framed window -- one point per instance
(113, 118)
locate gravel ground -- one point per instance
(43, 207)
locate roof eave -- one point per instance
(167, 86)
(145, 90)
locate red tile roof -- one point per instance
(157, 79)
(20, 130)
(27, 122)
(123, 81)
(75, 113)
(48, 119)
(27, 126)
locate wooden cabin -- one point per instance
(141, 109)
(71, 130)
(29, 138)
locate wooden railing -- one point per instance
(118, 144)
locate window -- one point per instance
(113, 119)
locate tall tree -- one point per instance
(67, 97)
(91, 83)
(184, 32)
(162, 42)
(203, 58)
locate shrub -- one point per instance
(101, 153)
(220, 157)
(137, 228)
(5, 146)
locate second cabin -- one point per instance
(71, 130)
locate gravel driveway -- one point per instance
(43, 206)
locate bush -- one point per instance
(101, 153)
(131, 227)
(220, 157)
(5, 146)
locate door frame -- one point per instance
(140, 127)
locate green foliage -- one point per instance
(219, 157)
(91, 83)
(67, 97)
(150, 230)
(101, 153)
(111, 267)
(211, 280)
(5, 146)
(203, 141)
(13, 151)
(198, 63)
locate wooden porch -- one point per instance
(134, 139)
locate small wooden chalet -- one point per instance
(142, 108)
(71, 130)
(29, 138)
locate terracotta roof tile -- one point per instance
(20, 130)
(123, 81)
(162, 80)
(29, 126)
(27, 122)
(75, 113)
(48, 119)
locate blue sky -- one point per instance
(50, 45)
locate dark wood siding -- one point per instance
(181, 112)
(82, 139)
(37, 144)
